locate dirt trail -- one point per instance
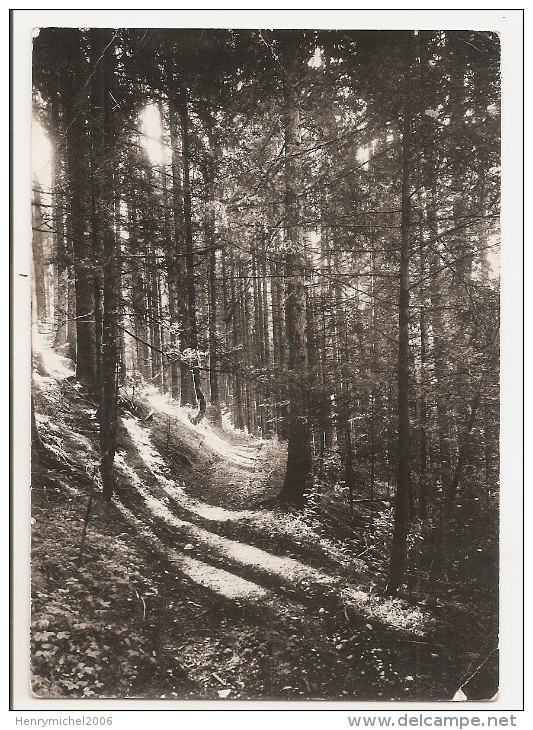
(261, 567)
(291, 614)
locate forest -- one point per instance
(265, 344)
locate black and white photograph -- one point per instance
(265, 417)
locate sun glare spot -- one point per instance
(41, 155)
(317, 60)
(364, 154)
(151, 135)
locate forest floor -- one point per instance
(194, 583)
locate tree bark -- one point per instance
(210, 242)
(298, 469)
(191, 375)
(403, 483)
(75, 103)
(267, 350)
(38, 256)
(182, 386)
(103, 186)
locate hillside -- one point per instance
(194, 583)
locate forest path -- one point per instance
(248, 553)
(289, 613)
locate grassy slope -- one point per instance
(130, 623)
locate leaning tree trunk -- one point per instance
(403, 484)
(298, 470)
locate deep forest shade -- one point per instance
(314, 257)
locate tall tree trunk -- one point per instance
(238, 404)
(103, 181)
(423, 481)
(278, 344)
(403, 483)
(71, 307)
(154, 309)
(98, 225)
(139, 306)
(247, 338)
(424, 486)
(298, 470)
(190, 335)
(171, 344)
(325, 336)
(259, 342)
(71, 324)
(182, 385)
(210, 242)
(226, 392)
(348, 465)
(64, 334)
(267, 350)
(74, 105)
(38, 255)
(213, 339)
